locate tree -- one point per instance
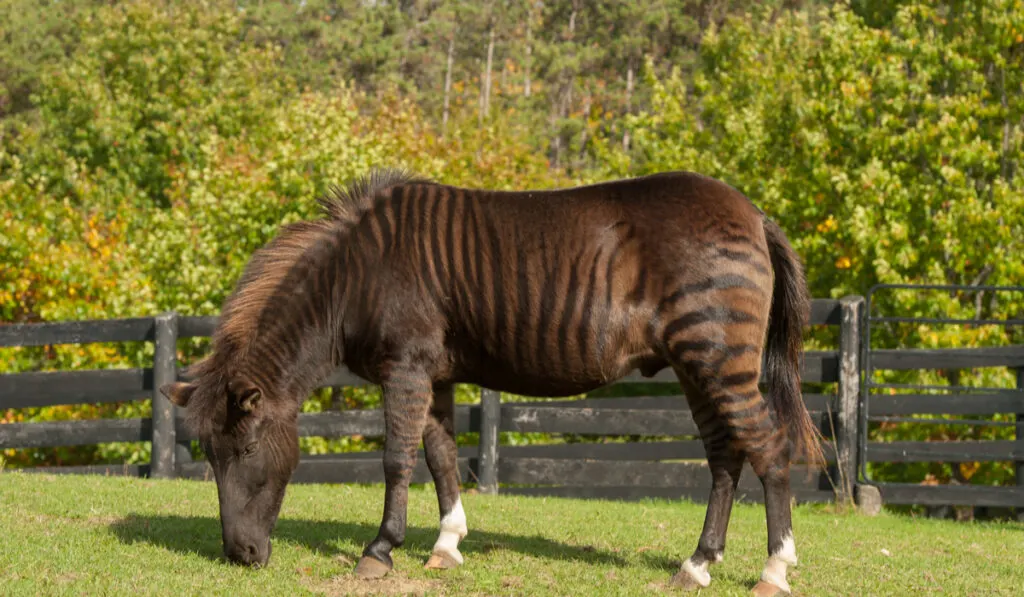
(888, 156)
(871, 146)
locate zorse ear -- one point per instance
(246, 395)
(178, 392)
(249, 400)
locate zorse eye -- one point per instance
(250, 449)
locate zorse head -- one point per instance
(253, 452)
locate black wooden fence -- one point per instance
(928, 407)
(634, 447)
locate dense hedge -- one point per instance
(163, 152)
(889, 155)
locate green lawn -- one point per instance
(111, 536)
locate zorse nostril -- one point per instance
(247, 553)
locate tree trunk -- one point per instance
(629, 103)
(487, 82)
(529, 55)
(629, 87)
(565, 100)
(1005, 168)
(572, 39)
(586, 119)
(448, 84)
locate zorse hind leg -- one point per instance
(407, 397)
(442, 460)
(756, 432)
(770, 460)
(726, 465)
(714, 342)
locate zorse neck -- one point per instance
(295, 341)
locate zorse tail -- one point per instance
(789, 314)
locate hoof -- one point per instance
(685, 581)
(369, 568)
(442, 560)
(767, 589)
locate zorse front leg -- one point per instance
(407, 397)
(442, 460)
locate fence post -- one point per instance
(164, 371)
(848, 394)
(182, 445)
(490, 422)
(182, 448)
(1019, 465)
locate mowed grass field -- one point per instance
(70, 535)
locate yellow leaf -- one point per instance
(967, 469)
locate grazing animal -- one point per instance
(416, 286)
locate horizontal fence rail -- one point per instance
(906, 359)
(56, 388)
(927, 407)
(138, 329)
(616, 448)
(74, 433)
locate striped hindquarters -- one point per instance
(716, 317)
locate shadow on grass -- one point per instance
(201, 535)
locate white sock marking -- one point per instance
(698, 572)
(453, 530)
(775, 568)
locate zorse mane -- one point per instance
(264, 275)
(346, 205)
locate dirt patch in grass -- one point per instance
(392, 584)
(70, 577)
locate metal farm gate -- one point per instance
(980, 399)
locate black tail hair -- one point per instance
(789, 314)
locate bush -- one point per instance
(888, 156)
(166, 152)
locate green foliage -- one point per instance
(148, 147)
(149, 84)
(889, 155)
(35, 33)
(871, 148)
(167, 150)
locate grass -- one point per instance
(93, 535)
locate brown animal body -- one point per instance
(417, 286)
